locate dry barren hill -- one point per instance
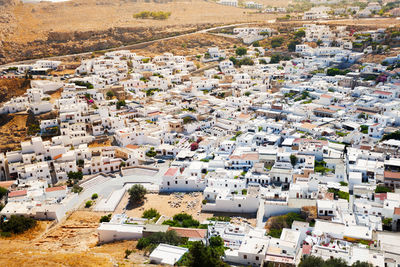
(33, 30)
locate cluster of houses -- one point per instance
(325, 9)
(264, 139)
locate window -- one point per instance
(239, 205)
(257, 258)
(244, 256)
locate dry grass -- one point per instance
(34, 21)
(12, 131)
(188, 45)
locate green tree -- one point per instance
(95, 196)
(293, 160)
(361, 264)
(110, 94)
(241, 51)
(216, 241)
(75, 175)
(137, 194)
(200, 255)
(277, 42)
(3, 192)
(311, 261)
(120, 103)
(292, 45)
(300, 33)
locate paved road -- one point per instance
(131, 46)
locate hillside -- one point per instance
(44, 29)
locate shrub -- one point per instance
(75, 175)
(151, 153)
(3, 192)
(241, 51)
(17, 224)
(382, 189)
(110, 94)
(160, 15)
(127, 253)
(120, 103)
(88, 204)
(277, 42)
(95, 196)
(169, 237)
(300, 33)
(183, 220)
(364, 129)
(76, 189)
(105, 218)
(150, 214)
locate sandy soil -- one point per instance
(35, 20)
(69, 243)
(168, 205)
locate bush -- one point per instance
(336, 71)
(151, 153)
(220, 219)
(382, 189)
(95, 196)
(105, 218)
(183, 220)
(160, 15)
(277, 42)
(127, 253)
(110, 94)
(3, 192)
(75, 175)
(17, 224)
(339, 194)
(364, 129)
(137, 193)
(76, 189)
(283, 221)
(169, 237)
(88, 204)
(150, 214)
(395, 136)
(88, 85)
(241, 51)
(120, 103)
(292, 45)
(300, 33)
